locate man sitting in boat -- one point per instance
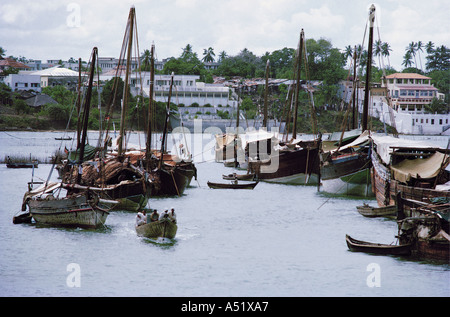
(172, 215)
(154, 216)
(141, 218)
(164, 214)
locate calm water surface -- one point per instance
(275, 240)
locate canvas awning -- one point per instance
(385, 145)
(424, 168)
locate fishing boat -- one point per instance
(115, 175)
(427, 229)
(46, 205)
(377, 248)
(79, 210)
(372, 212)
(232, 185)
(345, 170)
(22, 165)
(413, 168)
(289, 162)
(241, 177)
(164, 228)
(68, 138)
(171, 174)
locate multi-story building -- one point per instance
(411, 92)
(186, 91)
(19, 82)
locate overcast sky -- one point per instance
(55, 29)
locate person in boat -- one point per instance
(172, 215)
(154, 216)
(8, 160)
(141, 218)
(164, 214)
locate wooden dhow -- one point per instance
(46, 206)
(427, 227)
(295, 161)
(78, 210)
(415, 169)
(346, 169)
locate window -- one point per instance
(432, 121)
(440, 121)
(403, 92)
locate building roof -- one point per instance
(39, 100)
(11, 63)
(56, 71)
(407, 76)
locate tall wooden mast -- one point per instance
(297, 85)
(150, 106)
(266, 89)
(87, 106)
(368, 70)
(131, 19)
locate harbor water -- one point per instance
(273, 241)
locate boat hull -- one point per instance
(348, 175)
(376, 248)
(70, 212)
(158, 229)
(373, 212)
(232, 186)
(296, 167)
(354, 184)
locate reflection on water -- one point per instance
(275, 240)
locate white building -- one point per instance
(186, 90)
(23, 82)
(409, 94)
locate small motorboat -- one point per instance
(372, 212)
(377, 248)
(243, 177)
(233, 185)
(164, 228)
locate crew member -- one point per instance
(141, 218)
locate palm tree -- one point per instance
(378, 51)
(208, 55)
(386, 49)
(348, 53)
(429, 47)
(419, 46)
(411, 49)
(407, 59)
(222, 56)
(2, 52)
(145, 59)
(187, 51)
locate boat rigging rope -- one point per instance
(365, 165)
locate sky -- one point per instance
(60, 29)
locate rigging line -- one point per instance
(368, 162)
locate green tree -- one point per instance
(145, 60)
(60, 94)
(112, 93)
(438, 59)
(437, 106)
(208, 55)
(20, 106)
